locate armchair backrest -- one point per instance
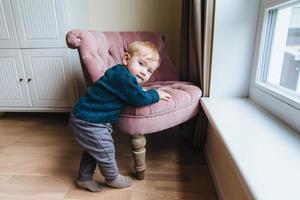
(99, 51)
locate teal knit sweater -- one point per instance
(110, 94)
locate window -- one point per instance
(284, 65)
(276, 80)
(279, 68)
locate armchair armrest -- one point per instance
(86, 43)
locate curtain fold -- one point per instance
(196, 49)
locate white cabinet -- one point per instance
(8, 33)
(40, 23)
(13, 87)
(36, 74)
(49, 77)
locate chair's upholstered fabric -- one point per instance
(162, 115)
(101, 50)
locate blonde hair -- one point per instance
(139, 47)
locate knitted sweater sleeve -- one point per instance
(126, 87)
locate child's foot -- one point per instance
(120, 182)
(92, 185)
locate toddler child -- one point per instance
(93, 115)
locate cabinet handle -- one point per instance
(28, 80)
(20, 80)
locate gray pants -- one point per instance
(98, 146)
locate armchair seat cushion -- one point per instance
(163, 114)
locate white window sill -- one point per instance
(265, 151)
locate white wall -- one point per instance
(139, 15)
(77, 17)
(233, 44)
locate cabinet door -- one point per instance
(8, 34)
(49, 77)
(13, 87)
(40, 23)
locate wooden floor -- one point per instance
(39, 160)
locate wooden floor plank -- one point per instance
(39, 159)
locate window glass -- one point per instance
(281, 59)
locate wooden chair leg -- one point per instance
(138, 143)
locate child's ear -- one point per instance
(125, 58)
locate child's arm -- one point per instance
(125, 86)
(163, 95)
(132, 93)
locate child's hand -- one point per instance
(163, 95)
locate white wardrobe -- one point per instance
(35, 66)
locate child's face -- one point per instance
(140, 66)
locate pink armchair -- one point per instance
(100, 50)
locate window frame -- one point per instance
(267, 92)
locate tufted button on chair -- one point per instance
(100, 50)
